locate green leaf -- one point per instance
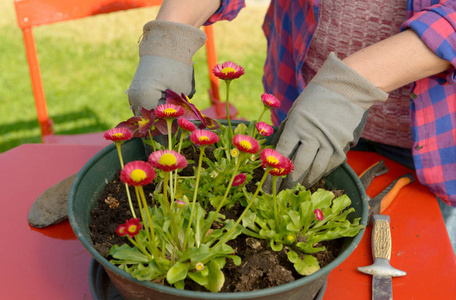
(127, 255)
(198, 277)
(240, 129)
(306, 266)
(249, 221)
(148, 273)
(340, 203)
(276, 247)
(295, 218)
(292, 256)
(321, 198)
(307, 248)
(236, 259)
(179, 285)
(177, 272)
(215, 277)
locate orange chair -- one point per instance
(31, 13)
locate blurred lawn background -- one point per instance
(87, 65)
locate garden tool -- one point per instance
(380, 202)
(381, 269)
(51, 207)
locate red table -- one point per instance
(51, 263)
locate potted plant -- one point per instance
(181, 232)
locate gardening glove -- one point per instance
(324, 121)
(165, 62)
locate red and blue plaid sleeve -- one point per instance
(228, 10)
(433, 111)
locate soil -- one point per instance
(261, 267)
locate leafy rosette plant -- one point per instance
(182, 232)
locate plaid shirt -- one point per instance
(289, 27)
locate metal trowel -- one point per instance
(51, 207)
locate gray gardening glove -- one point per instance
(165, 62)
(325, 120)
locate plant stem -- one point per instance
(169, 123)
(119, 152)
(140, 247)
(227, 82)
(155, 251)
(174, 232)
(142, 213)
(261, 116)
(274, 199)
(181, 140)
(226, 193)
(228, 235)
(151, 139)
(195, 193)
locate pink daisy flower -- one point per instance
(186, 124)
(167, 111)
(204, 137)
(272, 158)
(239, 179)
(118, 134)
(121, 230)
(285, 169)
(228, 71)
(319, 214)
(246, 143)
(264, 129)
(270, 100)
(167, 160)
(137, 173)
(132, 227)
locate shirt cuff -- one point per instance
(228, 10)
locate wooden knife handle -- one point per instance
(381, 237)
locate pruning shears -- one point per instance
(380, 202)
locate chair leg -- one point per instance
(44, 121)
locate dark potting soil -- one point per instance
(261, 267)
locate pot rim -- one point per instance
(209, 295)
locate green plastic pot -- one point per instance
(89, 185)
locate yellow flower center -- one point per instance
(203, 138)
(140, 123)
(234, 152)
(199, 266)
(118, 135)
(137, 175)
(290, 238)
(169, 111)
(132, 228)
(228, 70)
(272, 160)
(246, 144)
(167, 159)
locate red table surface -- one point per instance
(51, 264)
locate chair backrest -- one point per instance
(31, 13)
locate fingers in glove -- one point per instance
(319, 166)
(302, 158)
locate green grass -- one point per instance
(86, 66)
